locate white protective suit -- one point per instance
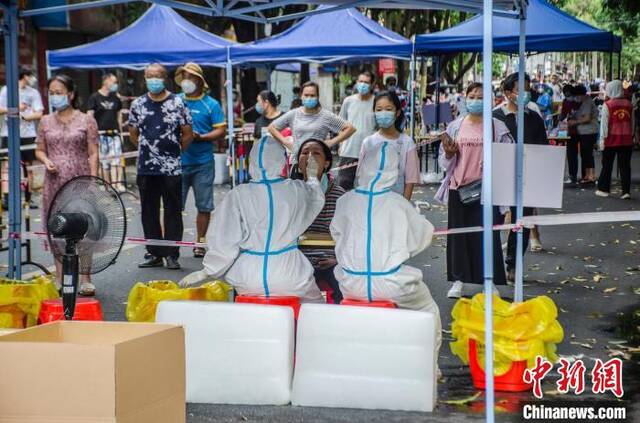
(253, 237)
(376, 230)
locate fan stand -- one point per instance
(70, 272)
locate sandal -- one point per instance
(199, 252)
(87, 289)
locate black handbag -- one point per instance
(472, 192)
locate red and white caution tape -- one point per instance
(526, 222)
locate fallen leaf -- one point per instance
(583, 344)
(463, 401)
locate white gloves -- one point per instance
(193, 278)
(312, 168)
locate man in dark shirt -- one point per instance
(105, 105)
(160, 123)
(534, 133)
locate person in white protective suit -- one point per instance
(253, 239)
(376, 230)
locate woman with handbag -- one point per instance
(461, 157)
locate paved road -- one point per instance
(589, 310)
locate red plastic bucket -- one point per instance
(86, 309)
(511, 381)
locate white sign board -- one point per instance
(543, 175)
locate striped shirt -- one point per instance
(323, 221)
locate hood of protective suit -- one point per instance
(379, 168)
(266, 160)
(614, 89)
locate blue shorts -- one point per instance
(200, 177)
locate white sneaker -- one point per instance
(535, 245)
(456, 290)
(601, 193)
(495, 291)
(625, 196)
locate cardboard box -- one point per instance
(93, 372)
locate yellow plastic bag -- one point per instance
(20, 301)
(144, 297)
(521, 331)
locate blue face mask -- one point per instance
(59, 101)
(474, 107)
(310, 102)
(155, 85)
(259, 108)
(362, 88)
(385, 119)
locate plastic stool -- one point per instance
(86, 309)
(378, 304)
(511, 381)
(293, 302)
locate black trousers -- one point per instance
(587, 143)
(346, 177)
(328, 276)
(464, 251)
(572, 158)
(624, 163)
(512, 241)
(168, 189)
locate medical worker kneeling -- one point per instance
(253, 240)
(376, 230)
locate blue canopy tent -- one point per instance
(548, 29)
(159, 35)
(317, 39)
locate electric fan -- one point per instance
(86, 227)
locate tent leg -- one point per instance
(412, 94)
(620, 65)
(10, 29)
(232, 149)
(487, 233)
(520, 160)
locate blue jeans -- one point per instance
(200, 177)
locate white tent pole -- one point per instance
(487, 198)
(519, 293)
(412, 101)
(229, 86)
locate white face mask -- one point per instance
(188, 86)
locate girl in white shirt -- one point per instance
(389, 119)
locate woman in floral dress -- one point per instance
(67, 145)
